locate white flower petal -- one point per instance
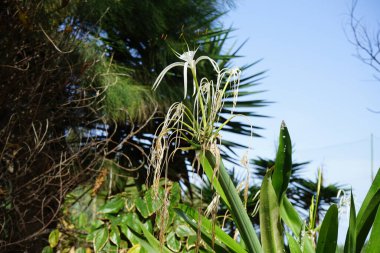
(162, 74)
(185, 78)
(213, 63)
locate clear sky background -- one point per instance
(319, 87)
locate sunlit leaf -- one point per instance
(328, 235)
(80, 250)
(82, 220)
(367, 212)
(293, 244)
(54, 238)
(135, 249)
(47, 249)
(115, 235)
(283, 165)
(350, 244)
(100, 239)
(112, 206)
(270, 225)
(373, 245)
(172, 242)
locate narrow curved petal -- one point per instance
(185, 79)
(194, 77)
(213, 63)
(162, 74)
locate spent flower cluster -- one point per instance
(199, 126)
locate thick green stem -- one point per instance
(237, 209)
(199, 98)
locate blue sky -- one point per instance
(319, 87)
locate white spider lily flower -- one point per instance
(188, 62)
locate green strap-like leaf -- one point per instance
(350, 244)
(292, 219)
(209, 171)
(373, 245)
(270, 225)
(153, 242)
(283, 165)
(293, 244)
(328, 234)
(206, 235)
(236, 208)
(207, 227)
(290, 216)
(367, 212)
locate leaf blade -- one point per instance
(328, 235)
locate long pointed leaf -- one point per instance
(205, 234)
(293, 244)
(328, 235)
(373, 245)
(292, 219)
(219, 233)
(367, 212)
(152, 240)
(270, 225)
(209, 171)
(283, 165)
(350, 244)
(237, 209)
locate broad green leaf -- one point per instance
(153, 203)
(112, 206)
(350, 244)
(373, 245)
(191, 214)
(80, 250)
(130, 219)
(175, 194)
(283, 165)
(54, 238)
(183, 230)
(172, 242)
(293, 244)
(100, 239)
(128, 233)
(135, 249)
(90, 236)
(115, 235)
(142, 206)
(367, 212)
(82, 220)
(148, 225)
(110, 248)
(328, 235)
(47, 249)
(270, 225)
(236, 206)
(191, 242)
(96, 224)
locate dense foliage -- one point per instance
(79, 119)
